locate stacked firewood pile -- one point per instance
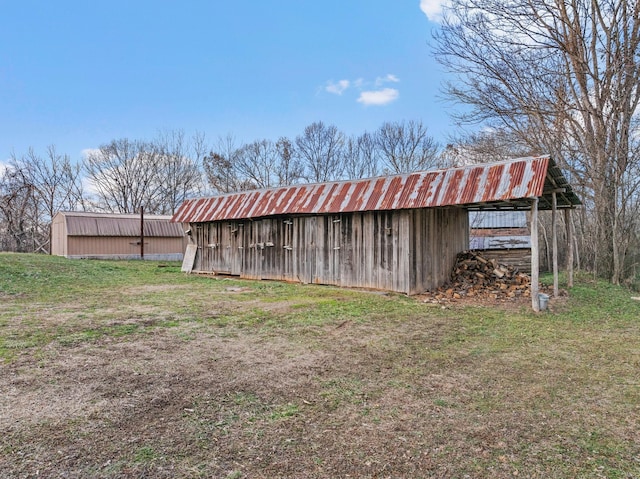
(476, 276)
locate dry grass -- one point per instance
(150, 373)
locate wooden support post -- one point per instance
(554, 235)
(569, 226)
(535, 257)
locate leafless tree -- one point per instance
(290, 169)
(564, 77)
(56, 181)
(320, 149)
(198, 146)
(220, 166)
(125, 176)
(178, 169)
(35, 188)
(405, 146)
(361, 157)
(257, 164)
(18, 209)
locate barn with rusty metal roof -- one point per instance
(398, 233)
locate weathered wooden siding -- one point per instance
(437, 236)
(387, 250)
(219, 246)
(375, 250)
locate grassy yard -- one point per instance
(133, 369)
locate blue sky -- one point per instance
(77, 74)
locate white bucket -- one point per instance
(543, 301)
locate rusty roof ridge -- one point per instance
(371, 178)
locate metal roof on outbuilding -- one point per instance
(113, 224)
(502, 185)
(498, 219)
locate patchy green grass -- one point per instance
(133, 369)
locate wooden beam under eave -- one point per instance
(535, 257)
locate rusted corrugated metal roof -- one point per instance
(108, 224)
(506, 184)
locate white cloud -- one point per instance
(389, 78)
(371, 92)
(337, 88)
(379, 97)
(433, 9)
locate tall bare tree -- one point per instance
(220, 166)
(178, 167)
(18, 211)
(290, 169)
(35, 188)
(125, 176)
(405, 146)
(563, 76)
(257, 163)
(361, 157)
(320, 149)
(56, 181)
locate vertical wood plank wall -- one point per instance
(438, 235)
(408, 251)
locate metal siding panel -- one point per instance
(498, 219)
